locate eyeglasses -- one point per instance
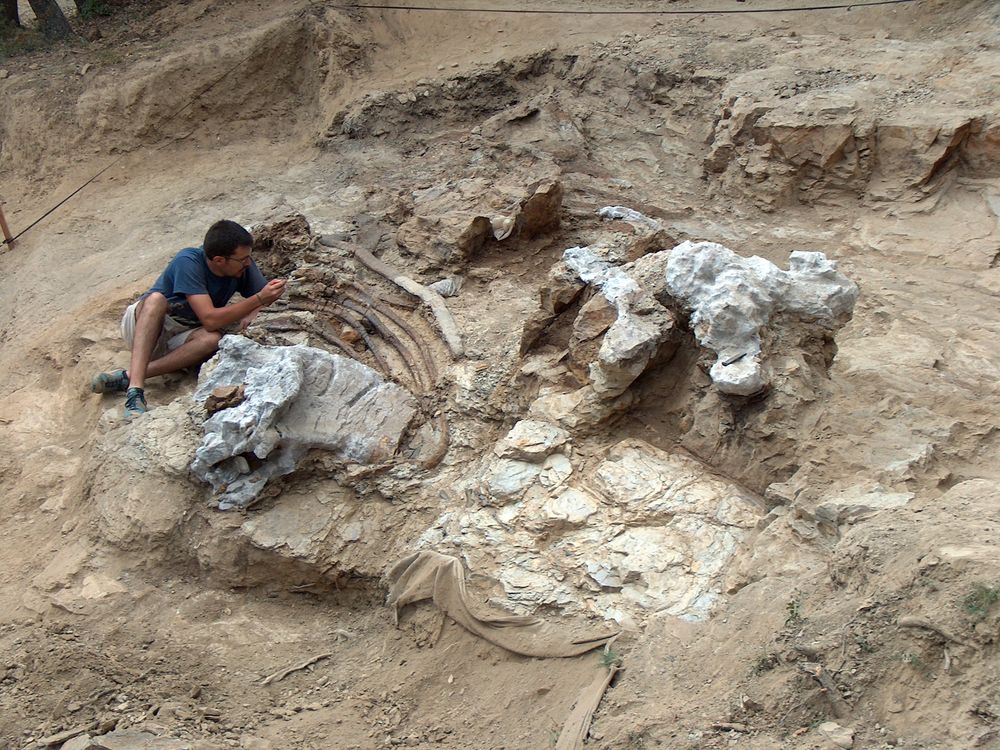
(246, 260)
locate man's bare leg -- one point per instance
(201, 345)
(148, 325)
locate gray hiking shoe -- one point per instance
(135, 403)
(115, 381)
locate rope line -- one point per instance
(634, 12)
(173, 116)
(13, 239)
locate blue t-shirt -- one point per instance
(188, 273)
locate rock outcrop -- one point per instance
(642, 531)
(454, 221)
(632, 337)
(811, 146)
(732, 300)
(297, 398)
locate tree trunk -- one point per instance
(8, 12)
(51, 19)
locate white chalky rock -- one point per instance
(733, 298)
(614, 283)
(842, 737)
(531, 440)
(644, 531)
(629, 215)
(297, 398)
(572, 506)
(650, 485)
(604, 574)
(508, 479)
(556, 470)
(581, 407)
(632, 340)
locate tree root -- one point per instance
(282, 674)
(819, 673)
(921, 622)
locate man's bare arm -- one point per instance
(214, 318)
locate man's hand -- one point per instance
(272, 291)
(248, 319)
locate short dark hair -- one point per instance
(223, 237)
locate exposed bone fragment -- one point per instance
(297, 398)
(224, 398)
(637, 330)
(577, 726)
(425, 354)
(443, 442)
(446, 323)
(389, 337)
(448, 286)
(369, 295)
(629, 215)
(61, 737)
(292, 326)
(728, 726)
(360, 330)
(733, 299)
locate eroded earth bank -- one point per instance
(680, 328)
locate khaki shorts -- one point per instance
(172, 336)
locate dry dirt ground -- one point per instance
(869, 134)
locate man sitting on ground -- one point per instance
(180, 320)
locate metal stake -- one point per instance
(5, 229)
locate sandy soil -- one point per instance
(175, 638)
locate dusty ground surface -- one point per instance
(870, 135)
